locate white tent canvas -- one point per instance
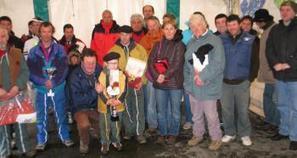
(84, 14)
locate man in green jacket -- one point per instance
(203, 75)
(133, 117)
(14, 75)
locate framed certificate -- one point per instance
(135, 67)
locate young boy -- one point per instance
(74, 58)
(111, 102)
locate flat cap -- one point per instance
(125, 29)
(111, 56)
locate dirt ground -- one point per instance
(262, 147)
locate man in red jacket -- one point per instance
(104, 35)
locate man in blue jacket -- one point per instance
(48, 67)
(83, 95)
(239, 52)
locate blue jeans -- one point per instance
(151, 105)
(188, 113)
(235, 103)
(42, 104)
(270, 105)
(169, 121)
(287, 106)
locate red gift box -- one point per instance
(161, 66)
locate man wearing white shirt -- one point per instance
(33, 41)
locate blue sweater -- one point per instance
(187, 36)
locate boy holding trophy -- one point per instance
(111, 102)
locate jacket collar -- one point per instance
(268, 24)
(63, 40)
(236, 38)
(204, 35)
(142, 31)
(292, 23)
(113, 26)
(131, 46)
(41, 54)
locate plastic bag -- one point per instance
(19, 109)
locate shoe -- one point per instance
(187, 126)
(30, 154)
(70, 120)
(13, 143)
(195, 140)
(160, 140)
(171, 140)
(141, 139)
(215, 145)
(293, 145)
(278, 137)
(83, 148)
(246, 141)
(126, 137)
(118, 146)
(151, 131)
(40, 147)
(68, 143)
(104, 148)
(227, 138)
(266, 126)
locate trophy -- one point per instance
(113, 90)
(51, 71)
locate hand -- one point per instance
(48, 84)
(5, 97)
(99, 88)
(198, 81)
(138, 86)
(281, 66)
(278, 67)
(109, 102)
(161, 79)
(286, 66)
(116, 102)
(196, 72)
(2, 92)
(14, 91)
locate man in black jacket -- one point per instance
(281, 52)
(83, 95)
(13, 41)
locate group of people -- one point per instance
(109, 100)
